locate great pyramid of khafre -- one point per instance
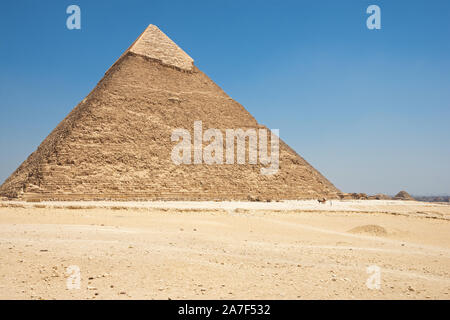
(116, 143)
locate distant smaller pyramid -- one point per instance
(403, 195)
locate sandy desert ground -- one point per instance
(229, 250)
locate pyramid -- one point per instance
(403, 195)
(116, 143)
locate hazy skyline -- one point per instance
(367, 108)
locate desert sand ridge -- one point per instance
(116, 144)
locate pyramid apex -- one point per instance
(155, 44)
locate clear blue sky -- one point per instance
(370, 109)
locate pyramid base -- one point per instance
(180, 196)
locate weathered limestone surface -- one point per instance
(116, 144)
